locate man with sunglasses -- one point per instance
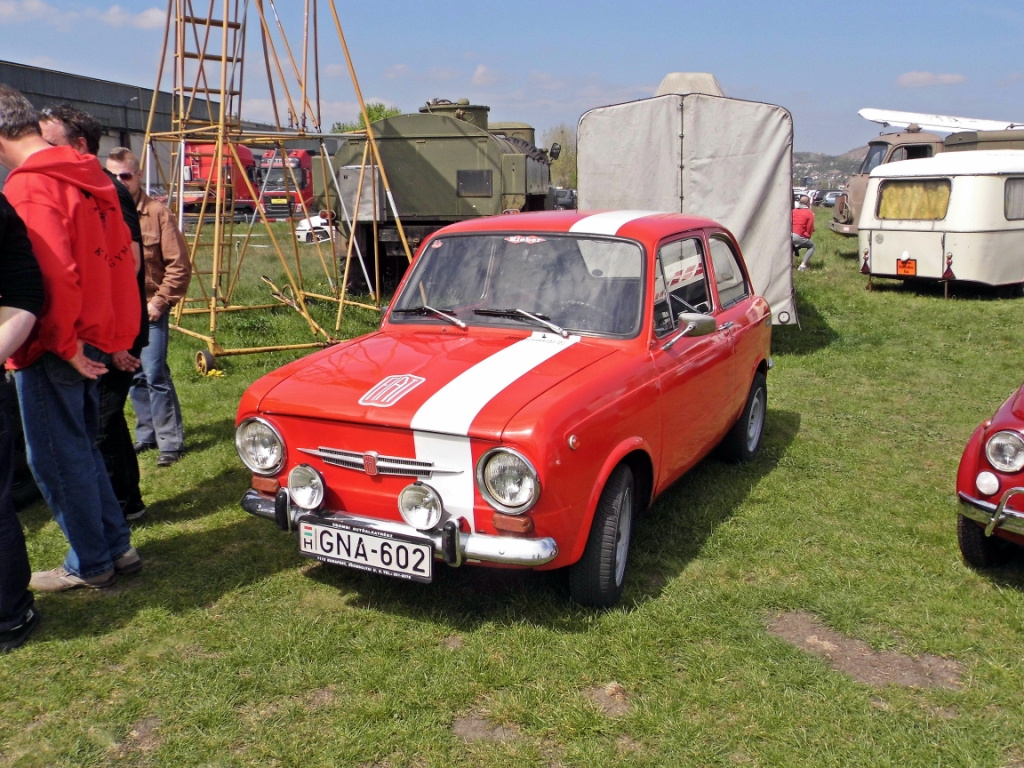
(168, 272)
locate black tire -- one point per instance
(596, 581)
(744, 439)
(979, 550)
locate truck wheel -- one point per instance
(979, 550)
(744, 439)
(597, 579)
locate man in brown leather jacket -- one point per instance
(168, 272)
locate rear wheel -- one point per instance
(597, 579)
(744, 439)
(979, 550)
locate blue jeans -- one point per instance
(157, 412)
(15, 597)
(60, 412)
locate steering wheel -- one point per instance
(588, 316)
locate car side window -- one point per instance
(680, 283)
(729, 278)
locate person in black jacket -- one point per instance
(21, 299)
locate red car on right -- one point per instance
(990, 486)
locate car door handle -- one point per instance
(726, 326)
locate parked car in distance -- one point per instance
(990, 487)
(829, 197)
(536, 382)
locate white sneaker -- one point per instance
(802, 267)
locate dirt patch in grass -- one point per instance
(611, 699)
(453, 642)
(474, 726)
(858, 660)
(142, 737)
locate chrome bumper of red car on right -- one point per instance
(994, 516)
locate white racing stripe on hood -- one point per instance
(607, 223)
(441, 425)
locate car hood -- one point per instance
(452, 382)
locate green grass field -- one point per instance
(231, 650)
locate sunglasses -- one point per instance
(126, 176)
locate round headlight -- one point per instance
(987, 483)
(420, 506)
(508, 481)
(306, 487)
(1005, 451)
(260, 447)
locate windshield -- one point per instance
(544, 281)
(874, 158)
(279, 179)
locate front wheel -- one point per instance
(597, 579)
(979, 550)
(744, 439)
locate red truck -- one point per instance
(199, 177)
(286, 183)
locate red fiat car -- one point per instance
(990, 485)
(536, 382)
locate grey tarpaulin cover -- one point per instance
(727, 159)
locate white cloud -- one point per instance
(13, 11)
(116, 16)
(482, 76)
(927, 79)
(395, 72)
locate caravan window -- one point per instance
(918, 199)
(1013, 199)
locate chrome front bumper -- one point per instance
(450, 544)
(994, 516)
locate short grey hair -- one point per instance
(18, 117)
(124, 155)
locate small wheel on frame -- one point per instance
(205, 361)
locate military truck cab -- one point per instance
(910, 144)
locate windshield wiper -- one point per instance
(428, 310)
(519, 314)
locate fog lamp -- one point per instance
(987, 483)
(420, 506)
(306, 487)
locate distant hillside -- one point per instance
(826, 171)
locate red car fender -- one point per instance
(618, 453)
(969, 461)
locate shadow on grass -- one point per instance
(938, 290)
(813, 334)
(665, 539)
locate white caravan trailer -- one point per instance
(727, 159)
(958, 216)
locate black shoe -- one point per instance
(166, 458)
(133, 511)
(12, 638)
(143, 447)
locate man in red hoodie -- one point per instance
(72, 215)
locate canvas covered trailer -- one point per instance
(727, 159)
(958, 216)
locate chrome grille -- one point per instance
(383, 465)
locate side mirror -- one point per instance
(555, 151)
(691, 324)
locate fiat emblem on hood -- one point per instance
(389, 391)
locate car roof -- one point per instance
(975, 162)
(621, 223)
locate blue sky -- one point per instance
(546, 63)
